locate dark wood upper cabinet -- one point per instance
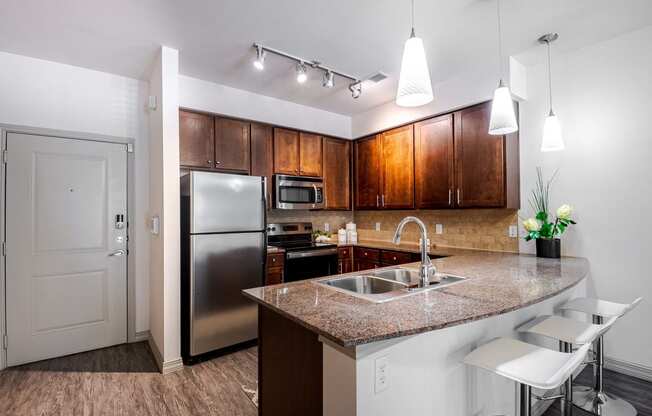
(367, 173)
(434, 162)
(397, 163)
(262, 155)
(310, 154)
(286, 151)
(480, 160)
(337, 173)
(232, 147)
(196, 140)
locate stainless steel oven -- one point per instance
(297, 192)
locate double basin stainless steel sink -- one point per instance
(388, 284)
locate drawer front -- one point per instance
(368, 254)
(275, 260)
(344, 252)
(361, 265)
(274, 276)
(395, 257)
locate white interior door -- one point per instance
(66, 263)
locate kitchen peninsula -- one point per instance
(326, 352)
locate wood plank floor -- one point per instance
(124, 380)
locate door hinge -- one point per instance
(5, 341)
(4, 156)
(130, 147)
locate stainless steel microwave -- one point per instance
(298, 192)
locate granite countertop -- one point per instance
(496, 283)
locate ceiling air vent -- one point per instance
(376, 78)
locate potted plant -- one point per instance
(543, 228)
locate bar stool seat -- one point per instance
(528, 365)
(599, 307)
(525, 363)
(565, 329)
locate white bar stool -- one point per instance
(594, 399)
(568, 332)
(528, 365)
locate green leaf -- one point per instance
(542, 216)
(546, 230)
(572, 222)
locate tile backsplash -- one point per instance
(486, 229)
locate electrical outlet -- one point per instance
(377, 226)
(327, 227)
(439, 228)
(381, 374)
(513, 231)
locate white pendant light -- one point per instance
(414, 86)
(503, 117)
(552, 137)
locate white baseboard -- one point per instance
(140, 336)
(630, 369)
(165, 367)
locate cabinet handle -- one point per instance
(377, 201)
(340, 268)
(273, 260)
(458, 196)
(450, 197)
(210, 162)
(382, 198)
(217, 163)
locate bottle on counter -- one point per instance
(341, 236)
(352, 237)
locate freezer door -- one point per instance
(222, 266)
(222, 202)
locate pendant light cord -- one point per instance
(412, 33)
(500, 42)
(549, 77)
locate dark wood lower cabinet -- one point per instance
(275, 267)
(290, 367)
(345, 259)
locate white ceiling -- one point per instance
(358, 37)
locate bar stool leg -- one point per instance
(567, 400)
(595, 400)
(525, 398)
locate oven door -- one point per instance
(300, 265)
(298, 193)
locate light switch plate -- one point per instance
(327, 227)
(439, 228)
(513, 231)
(381, 374)
(377, 226)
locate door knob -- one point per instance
(118, 253)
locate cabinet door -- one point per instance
(367, 173)
(434, 162)
(232, 145)
(479, 160)
(196, 140)
(337, 173)
(286, 151)
(262, 155)
(398, 168)
(310, 159)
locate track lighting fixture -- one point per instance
(303, 65)
(302, 76)
(259, 62)
(329, 80)
(356, 89)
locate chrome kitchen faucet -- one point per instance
(426, 269)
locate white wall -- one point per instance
(603, 97)
(43, 94)
(207, 96)
(164, 203)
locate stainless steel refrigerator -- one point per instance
(223, 251)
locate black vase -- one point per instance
(549, 248)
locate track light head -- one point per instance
(356, 89)
(329, 80)
(259, 62)
(302, 75)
